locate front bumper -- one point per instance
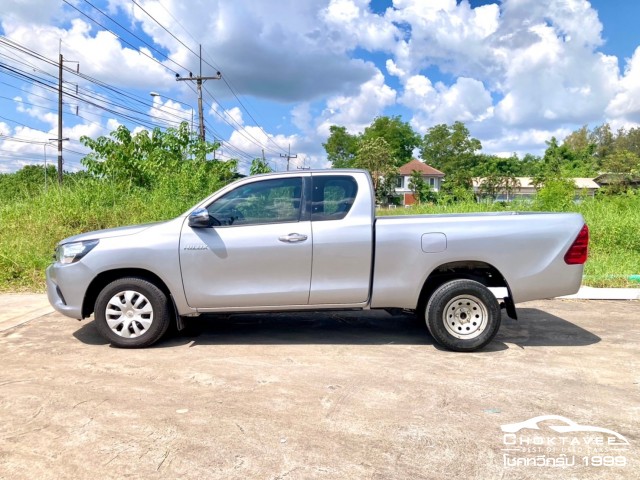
(66, 287)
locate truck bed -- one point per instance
(527, 248)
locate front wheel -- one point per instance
(463, 315)
(132, 313)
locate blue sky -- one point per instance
(516, 72)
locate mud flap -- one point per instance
(510, 307)
(179, 322)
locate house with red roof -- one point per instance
(431, 176)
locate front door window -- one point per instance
(265, 201)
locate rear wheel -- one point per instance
(132, 313)
(463, 315)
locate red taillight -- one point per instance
(578, 252)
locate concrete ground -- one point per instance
(334, 395)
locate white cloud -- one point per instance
(170, 113)
(24, 146)
(515, 72)
(5, 129)
(466, 100)
(99, 53)
(453, 36)
(551, 82)
(232, 117)
(353, 24)
(521, 142)
(539, 59)
(625, 104)
(275, 50)
(394, 70)
(301, 116)
(358, 111)
(44, 115)
(252, 139)
(112, 125)
(235, 114)
(38, 11)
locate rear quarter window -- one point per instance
(333, 197)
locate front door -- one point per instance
(261, 253)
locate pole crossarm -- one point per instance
(288, 156)
(199, 79)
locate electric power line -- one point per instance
(134, 35)
(269, 139)
(119, 37)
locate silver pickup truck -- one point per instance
(310, 240)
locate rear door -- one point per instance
(342, 240)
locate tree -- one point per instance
(628, 140)
(341, 147)
(452, 150)
(27, 182)
(449, 148)
(555, 156)
(375, 155)
(556, 194)
(399, 135)
(486, 165)
(420, 189)
(604, 141)
(530, 165)
(258, 166)
(582, 161)
(489, 186)
(623, 168)
(146, 158)
(417, 185)
(578, 140)
(495, 184)
(510, 184)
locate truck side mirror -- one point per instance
(200, 218)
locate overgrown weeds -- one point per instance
(33, 220)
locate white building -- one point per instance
(431, 176)
(525, 188)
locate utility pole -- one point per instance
(60, 139)
(199, 79)
(304, 167)
(288, 156)
(60, 120)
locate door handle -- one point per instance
(293, 238)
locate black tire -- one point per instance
(132, 313)
(463, 315)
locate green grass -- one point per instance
(32, 223)
(614, 226)
(31, 227)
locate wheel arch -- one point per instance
(106, 277)
(480, 271)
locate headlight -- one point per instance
(72, 252)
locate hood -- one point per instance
(109, 232)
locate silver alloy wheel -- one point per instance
(465, 316)
(129, 314)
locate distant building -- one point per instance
(617, 180)
(431, 176)
(525, 189)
